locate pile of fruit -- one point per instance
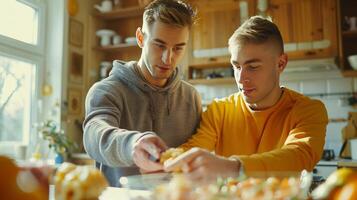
(180, 187)
(340, 185)
(22, 183)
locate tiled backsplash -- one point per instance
(327, 83)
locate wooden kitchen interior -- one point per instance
(317, 37)
(311, 29)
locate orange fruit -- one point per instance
(340, 176)
(9, 187)
(348, 191)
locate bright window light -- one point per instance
(16, 91)
(18, 21)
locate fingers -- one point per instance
(183, 159)
(151, 149)
(153, 145)
(161, 144)
(141, 159)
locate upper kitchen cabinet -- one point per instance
(216, 21)
(347, 17)
(308, 27)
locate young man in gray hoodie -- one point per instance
(144, 105)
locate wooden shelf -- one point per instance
(116, 48)
(350, 33)
(120, 13)
(213, 81)
(349, 73)
(210, 65)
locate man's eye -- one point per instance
(253, 67)
(160, 46)
(178, 49)
(236, 67)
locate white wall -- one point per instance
(326, 82)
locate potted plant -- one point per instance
(58, 141)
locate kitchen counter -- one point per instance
(347, 163)
(113, 193)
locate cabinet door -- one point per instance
(307, 24)
(298, 20)
(217, 20)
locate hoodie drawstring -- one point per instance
(168, 103)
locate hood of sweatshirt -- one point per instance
(128, 72)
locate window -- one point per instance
(16, 88)
(23, 25)
(21, 63)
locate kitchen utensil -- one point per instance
(353, 61)
(105, 6)
(105, 35)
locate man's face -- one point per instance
(163, 48)
(256, 69)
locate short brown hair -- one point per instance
(257, 30)
(173, 12)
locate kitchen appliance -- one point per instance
(328, 154)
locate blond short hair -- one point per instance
(257, 30)
(173, 12)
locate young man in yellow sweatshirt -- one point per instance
(264, 127)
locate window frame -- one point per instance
(34, 54)
(39, 48)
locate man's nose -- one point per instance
(242, 76)
(167, 56)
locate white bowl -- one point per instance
(353, 61)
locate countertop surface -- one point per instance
(338, 162)
(113, 193)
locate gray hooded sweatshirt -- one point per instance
(123, 107)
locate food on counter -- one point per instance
(170, 154)
(249, 188)
(21, 183)
(340, 185)
(78, 182)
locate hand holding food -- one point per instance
(146, 147)
(202, 165)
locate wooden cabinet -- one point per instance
(308, 27)
(217, 20)
(347, 37)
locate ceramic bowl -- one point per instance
(353, 61)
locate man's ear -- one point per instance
(283, 61)
(139, 37)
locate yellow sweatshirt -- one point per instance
(289, 136)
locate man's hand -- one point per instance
(146, 152)
(201, 165)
